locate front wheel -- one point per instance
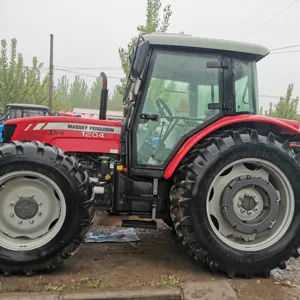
(46, 207)
(235, 203)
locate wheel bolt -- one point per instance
(225, 207)
(249, 212)
(11, 214)
(241, 198)
(242, 210)
(255, 209)
(20, 222)
(31, 221)
(31, 196)
(40, 203)
(254, 231)
(20, 196)
(12, 204)
(39, 213)
(239, 204)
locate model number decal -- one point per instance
(93, 134)
(55, 132)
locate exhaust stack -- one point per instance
(103, 97)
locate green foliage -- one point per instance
(79, 93)
(95, 93)
(61, 99)
(19, 83)
(286, 108)
(153, 24)
(115, 102)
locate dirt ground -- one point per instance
(157, 260)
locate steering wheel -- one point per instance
(162, 106)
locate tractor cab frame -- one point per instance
(179, 85)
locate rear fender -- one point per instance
(267, 124)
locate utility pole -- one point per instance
(51, 73)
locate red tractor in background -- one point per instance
(224, 177)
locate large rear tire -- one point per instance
(46, 207)
(236, 203)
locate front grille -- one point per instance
(7, 132)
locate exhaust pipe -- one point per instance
(103, 97)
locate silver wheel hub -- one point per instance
(250, 215)
(250, 204)
(32, 210)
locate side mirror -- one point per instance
(139, 59)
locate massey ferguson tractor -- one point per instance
(191, 150)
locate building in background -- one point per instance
(94, 113)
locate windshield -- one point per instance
(4, 116)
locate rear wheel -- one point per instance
(45, 207)
(236, 203)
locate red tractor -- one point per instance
(191, 150)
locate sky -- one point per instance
(87, 34)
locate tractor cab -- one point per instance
(19, 110)
(179, 85)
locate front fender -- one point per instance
(280, 125)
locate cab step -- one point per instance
(139, 224)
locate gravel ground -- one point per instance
(157, 260)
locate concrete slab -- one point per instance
(208, 290)
(147, 294)
(30, 296)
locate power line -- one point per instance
(89, 68)
(261, 26)
(282, 52)
(84, 74)
(269, 96)
(287, 47)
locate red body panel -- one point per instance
(71, 134)
(74, 134)
(288, 126)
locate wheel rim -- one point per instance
(32, 210)
(250, 204)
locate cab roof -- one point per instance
(185, 40)
(27, 105)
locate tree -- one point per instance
(153, 24)
(61, 94)
(286, 108)
(20, 83)
(115, 102)
(79, 93)
(95, 93)
(36, 88)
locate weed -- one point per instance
(53, 288)
(166, 280)
(94, 284)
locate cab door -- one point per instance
(175, 103)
